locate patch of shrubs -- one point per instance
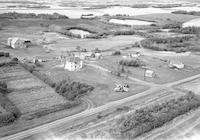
(177, 44)
(72, 90)
(187, 30)
(116, 53)
(196, 13)
(128, 32)
(3, 87)
(146, 119)
(172, 25)
(131, 62)
(4, 54)
(12, 112)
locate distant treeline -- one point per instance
(177, 44)
(148, 118)
(195, 13)
(14, 15)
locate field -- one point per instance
(162, 19)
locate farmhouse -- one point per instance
(16, 42)
(73, 64)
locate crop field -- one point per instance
(103, 82)
(29, 94)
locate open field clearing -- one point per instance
(90, 44)
(103, 82)
(157, 63)
(166, 18)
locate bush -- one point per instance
(145, 119)
(3, 87)
(131, 62)
(72, 90)
(9, 106)
(116, 53)
(7, 118)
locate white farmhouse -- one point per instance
(73, 64)
(16, 42)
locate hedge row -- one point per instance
(131, 62)
(4, 54)
(55, 109)
(41, 76)
(13, 112)
(6, 118)
(145, 119)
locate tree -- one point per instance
(78, 48)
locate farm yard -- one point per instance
(104, 86)
(157, 62)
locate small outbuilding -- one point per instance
(150, 73)
(16, 42)
(73, 64)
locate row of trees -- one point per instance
(187, 30)
(145, 119)
(15, 15)
(131, 62)
(196, 13)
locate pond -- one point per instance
(82, 33)
(130, 22)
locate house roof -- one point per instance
(74, 59)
